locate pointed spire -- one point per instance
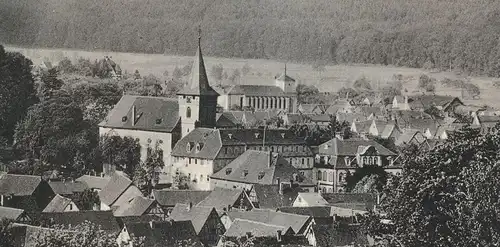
(285, 69)
(199, 84)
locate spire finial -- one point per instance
(199, 33)
(285, 68)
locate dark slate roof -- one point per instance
(350, 117)
(328, 235)
(169, 233)
(67, 188)
(208, 139)
(247, 167)
(349, 147)
(425, 101)
(359, 201)
(117, 186)
(105, 219)
(198, 215)
(10, 213)
(297, 222)
(18, 185)
(148, 110)
(284, 77)
(94, 182)
(220, 198)
(317, 212)
(136, 219)
(137, 206)
(172, 197)
(248, 136)
(256, 90)
(58, 204)
(225, 120)
(240, 227)
(198, 84)
(270, 198)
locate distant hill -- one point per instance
(460, 35)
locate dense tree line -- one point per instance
(457, 35)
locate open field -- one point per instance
(263, 71)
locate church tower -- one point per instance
(198, 100)
(286, 83)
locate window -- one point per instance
(228, 171)
(245, 173)
(301, 173)
(160, 154)
(303, 161)
(189, 161)
(124, 119)
(195, 161)
(188, 146)
(330, 177)
(318, 177)
(189, 176)
(201, 177)
(324, 176)
(208, 178)
(202, 162)
(188, 112)
(71, 206)
(261, 175)
(365, 160)
(158, 121)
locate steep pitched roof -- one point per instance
(169, 233)
(295, 221)
(19, 185)
(240, 227)
(313, 199)
(360, 201)
(198, 215)
(58, 204)
(172, 197)
(105, 219)
(425, 101)
(67, 188)
(198, 84)
(284, 77)
(94, 182)
(220, 198)
(118, 184)
(350, 117)
(256, 90)
(407, 136)
(225, 120)
(269, 197)
(207, 139)
(137, 206)
(256, 136)
(151, 114)
(10, 213)
(252, 164)
(349, 147)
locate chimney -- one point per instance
(151, 224)
(189, 206)
(280, 186)
(133, 115)
(229, 207)
(278, 235)
(270, 158)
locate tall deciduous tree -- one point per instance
(124, 153)
(146, 175)
(17, 90)
(447, 196)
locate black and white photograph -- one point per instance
(249, 123)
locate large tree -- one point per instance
(17, 90)
(447, 196)
(124, 153)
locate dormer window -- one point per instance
(282, 135)
(199, 146)
(124, 119)
(158, 121)
(230, 136)
(228, 171)
(245, 173)
(188, 147)
(261, 175)
(257, 135)
(326, 146)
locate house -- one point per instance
(246, 228)
(355, 201)
(374, 127)
(167, 199)
(338, 157)
(409, 137)
(169, 233)
(273, 196)
(309, 199)
(119, 191)
(259, 167)
(350, 117)
(226, 199)
(322, 215)
(340, 106)
(205, 151)
(60, 204)
(312, 108)
(371, 112)
(300, 224)
(400, 103)
(427, 127)
(281, 96)
(445, 104)
(104, 219)
(15, 215)
(67, 188)
(486, 123)
(245, 119)
(139, 206)
(206, 221)
(27, 235)
(94, 183)
(27, 192)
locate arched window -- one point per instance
(341, 177)
(319, 175)
(324, 176)
(365, 160)
(188, 112)
(330, 177)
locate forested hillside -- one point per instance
(459, 35)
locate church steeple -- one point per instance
(198, 84)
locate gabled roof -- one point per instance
(198, 215)
(172, 197)
(158, 114)
(225, 120)
(10, 213)
(118, 184)
(207, 139)
(252, 164)
(198, 84)
(67, 188)
(317, 211)
(240, 227)
(105, 219)
(269, 197)
(295, 221)
(256, 90)
(220, 198)
(256, 137)
(26, 235)
(169, 233)
(58, 204)
(407, 136)
(361, 201)
(313, 199)
(349, 147)
(337, 105)
(307, 108)
(94, 182)
(19, 185)
(350, 117)
(426, 101)
(137, 206)
(284, 77)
